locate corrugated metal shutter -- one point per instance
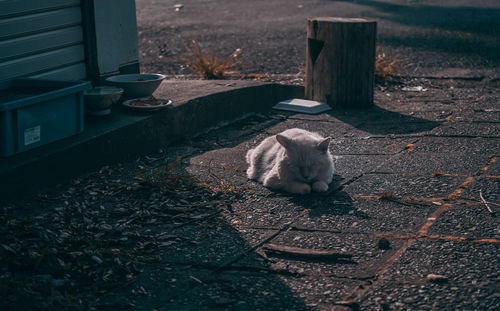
(42, 39)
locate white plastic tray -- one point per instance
(303, 106)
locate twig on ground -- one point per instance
(196, 279)
(485, 203)
(297, 252)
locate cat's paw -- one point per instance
(272, 181)
(300, 188)
(251, 173)
(320, 186)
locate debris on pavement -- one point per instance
(96, 234)
(437, 278)
(383, 243)
(304, 253)
(486, 203)
(414, 89)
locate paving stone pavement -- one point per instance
(409, 171)
(431, 151)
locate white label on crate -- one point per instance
(31, 135)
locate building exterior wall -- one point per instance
(41, 39)
(67, 39)
(112, 32)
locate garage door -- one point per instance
(42, 39)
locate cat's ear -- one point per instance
(323, 144)
(285, 142)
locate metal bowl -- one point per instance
(137, 85)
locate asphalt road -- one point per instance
(424, 35)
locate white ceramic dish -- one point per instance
(137, 85)
(98, 101)
(147, 103)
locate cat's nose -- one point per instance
(308, 178)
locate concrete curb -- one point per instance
(124, 136)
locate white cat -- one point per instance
(295, 161)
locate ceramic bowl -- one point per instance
(137, 85)
(98, 101)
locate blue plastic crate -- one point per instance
(35, 112)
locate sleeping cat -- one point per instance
(295, 161)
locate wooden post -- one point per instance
(340, 61)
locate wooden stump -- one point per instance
(340, 61)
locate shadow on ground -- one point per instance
(379, 121)
(333, 202)
(221, 263)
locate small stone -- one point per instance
(383, 243)
(437, 278)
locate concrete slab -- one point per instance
(467, 129)
(489, 188)
(446, 145)
(369, 145)
(419, 128)
(459, 261)
(257, 211)
(471, 220)
(365, 216)
(404, 185)
(348, 167)
(428, 163)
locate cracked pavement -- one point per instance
(404, 203)
(430, 152)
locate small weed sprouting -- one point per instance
(385, 66)
(208, 65)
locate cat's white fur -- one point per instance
(296, 161)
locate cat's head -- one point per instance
(307, 158)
